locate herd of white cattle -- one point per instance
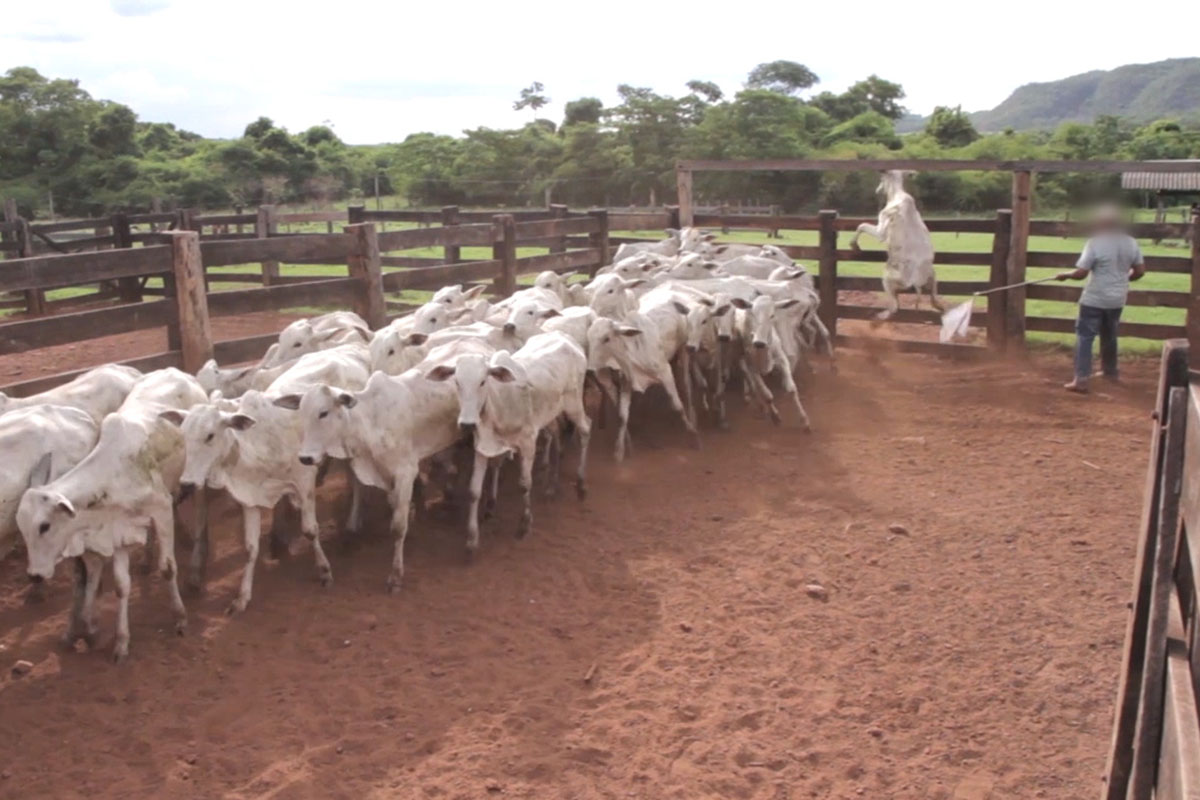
(101, 465)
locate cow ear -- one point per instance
(415, 339)
(634, 282)
(347, 400)
(629, 330)
(740, 303)
(672, 232)
(64, 505)
(680, 307)
(550, 312)
(40, 475)
(787, 303)
(502, 373)
(723, 310)
(440, 373)
(173, 416)
(289, 401)
(240, 422)
(707, 301)
(474, 291)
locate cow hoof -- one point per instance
(325, 577)
(195, 584)
(394, 583)
(120, 653)
(236, 607)
(469, 554)
(68, 639)
(523, 527)
(581, 489)
(775, 418)
(181, 627)
(36, 594)
(90, 639)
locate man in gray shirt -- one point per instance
(1110, 260)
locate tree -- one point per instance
(785, 77)
(585, 109)
(706, 90)
(869, 126)
(951, 127)
(259, 128)
(532, 97)
(873, 94)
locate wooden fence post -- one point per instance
(1017, 257)
(129, 289)
(364, 266)
(356, 214)
(599, 239)
(1193, 311)
(997, 306)
(558, 211)
(35, 299)
(190, 300)
(683, 184)
(827, 276)
(504, 250)
(451, 253)
(265, 227)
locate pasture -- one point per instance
(972, 655)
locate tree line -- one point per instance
(60, 146)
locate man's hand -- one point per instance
(1137, 272)
(1071, 275)
(1064, 276)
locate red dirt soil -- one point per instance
(973, 655)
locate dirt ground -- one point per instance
(972, 654)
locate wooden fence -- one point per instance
(1005, 319)
(1155, 749)
(182, 257)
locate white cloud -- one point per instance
(390, 68)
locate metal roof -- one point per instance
(1164, 181)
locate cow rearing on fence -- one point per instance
(909, 246)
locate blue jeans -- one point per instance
(1094, 322)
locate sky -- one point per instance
(377, 71)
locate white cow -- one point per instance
(107, 503)
(385, 431)
(751, 266)
(457, 297)
(250, 449)
(763, 353)
(909, 245)
(99, 392)
(551, 281)
(389, 342)
(318, 333)
(39, 443)
(235, 381)
(667, 247)
(505, 401)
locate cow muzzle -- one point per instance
(724, 338)
(35, 579)
(510, 328)
(186, 490)
(760, 345)
(468, 428)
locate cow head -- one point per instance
(608, 344)
(471, 373)
(210, 437)
(455, 296)
(324, 419)
(609, 295)
(44, 517)
(526, 318)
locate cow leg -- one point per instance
(623, 426)
(578, 415)
(823, 335)
(401, 498)
(312, 532)
(866, 228)
(123, 584)
(162, 519)
(789, 386)
(494, 467)
(685, 378)
(251, 531)
(934, 300)
(761, 391)
(526, 451)
(354, 518)
(668, 383)
(78, 595)
(892, 288)
(198, 567)
(478, 473)
(82, 622)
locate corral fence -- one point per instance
(184, 256)
(1155, 749)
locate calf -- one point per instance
(98, 392)
(505, 401)
(107, 503)
(39, 443)
(762, 353)
(318, 333)
(385, 431)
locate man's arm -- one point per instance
(1087, 260)
(1072, 275)
(1139, 264)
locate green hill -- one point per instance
(1137, 91)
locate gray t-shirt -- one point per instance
(1108, 258)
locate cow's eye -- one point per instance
(208, 438)
(297, 344)
(43, 528)
(392, 352)
(323, 415)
